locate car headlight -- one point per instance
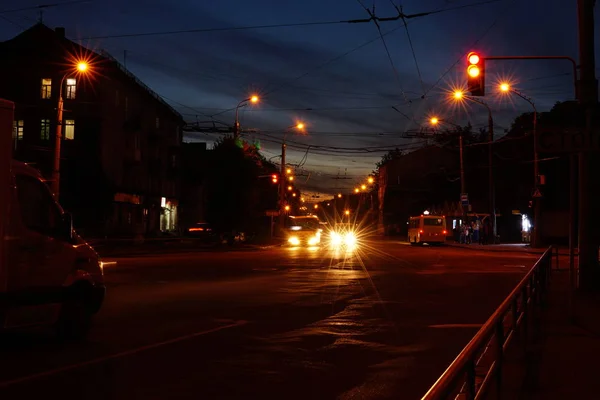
(350, 239)
(336, 239)
(313, 241)
(294, 241)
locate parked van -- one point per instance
(48, 274)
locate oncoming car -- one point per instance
(303, 231)
(343, 235)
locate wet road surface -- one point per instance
(276, 323)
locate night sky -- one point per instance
(349, 90)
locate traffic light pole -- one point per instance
(589, 270)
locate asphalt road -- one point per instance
(275, 323)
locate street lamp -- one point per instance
(371, 180)
(363, 187)
(460, 96)
(80, 68)
(236, 127)
(436, 121)
(300, 127)
(506, 88)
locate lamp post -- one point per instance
(459, 96)
(81, 67)
(236, 126)
(300, 127)
(536, 239)
(436, 121)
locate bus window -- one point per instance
(433, 221)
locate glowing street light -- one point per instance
(300, 126)
(458, 95)
(236, 127)
(291, 178)
(81, 67)
(347, 212)
(339, 195)
(287, 208)
(289, 171)
(290, 188)
(363, 187)
(356, 190)
(371, 180)
(505, 87)
(434, 120)
(316, 206)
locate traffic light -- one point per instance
(274, 178)
(476, 74)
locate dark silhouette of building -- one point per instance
(121, 141)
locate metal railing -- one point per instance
(479, 365)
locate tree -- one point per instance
(232, 184)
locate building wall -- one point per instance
(124, 157)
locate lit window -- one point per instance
(71, 86)
(18, 129)
(45, 129)
(69, 129)
(46, 92)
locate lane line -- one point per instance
(126, 353)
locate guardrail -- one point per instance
(479, 364)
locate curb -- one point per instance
(526, 251)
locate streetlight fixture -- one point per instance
(300, 127)
(80, 67)
(356, 190)
(236, 127)
(458, 95)
(363, 187)
(339, 195)
(371, 180)
(435, 121)
(506, 88)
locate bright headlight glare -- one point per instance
(313, 241)
(336, 239)
(294, 241)
(350, 239)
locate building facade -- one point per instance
(121, 142)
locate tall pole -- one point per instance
(57, 142)
(589, 273)
(282, 183)
(492, 199)
(236, 124)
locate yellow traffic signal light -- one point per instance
(476, 74)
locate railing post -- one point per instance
(499, 357)
(470, 388)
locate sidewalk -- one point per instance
(566, 366)
(508, 247)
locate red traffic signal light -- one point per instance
(275, 178)
(476, 74)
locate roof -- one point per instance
(39, 30)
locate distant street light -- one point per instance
(371, 180)
(80, 68)
(236, 127)
(363, 187)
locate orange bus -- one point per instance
(430, 229)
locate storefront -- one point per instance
(168, 215)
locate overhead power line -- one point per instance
(44, 6)
(288, 25)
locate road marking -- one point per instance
(119, 355)
(456, 326)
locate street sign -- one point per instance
(464, 199)
(272, 213)
(567, 140)
(536, 193)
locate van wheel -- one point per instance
(74, 321)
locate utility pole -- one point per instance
(492, 198)
(589, 273)
(282, 184)
(55, 186)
